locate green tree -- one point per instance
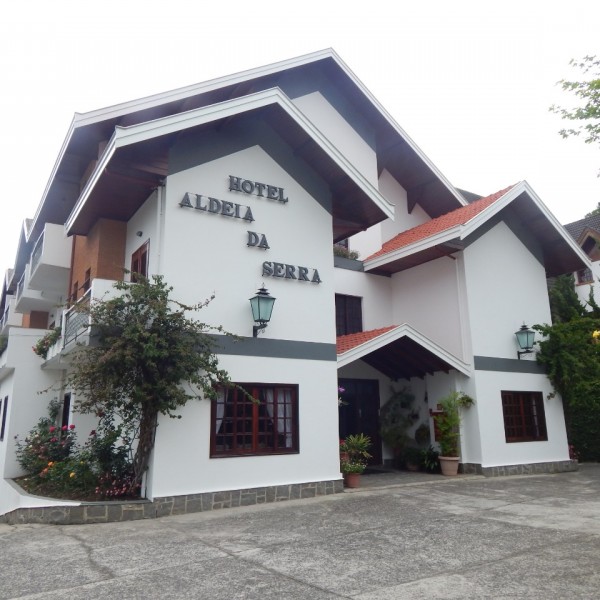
(570, 355)
(586, 116)
(146, 357)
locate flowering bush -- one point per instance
(56, 466)
(45, 343)
(45, 443)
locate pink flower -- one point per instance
(54, 439)
(52, 428)
(71, 426)
(64, 428)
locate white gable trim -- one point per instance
(398, 332)
(126, 136)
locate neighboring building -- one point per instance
(586, 232)
(248, 180)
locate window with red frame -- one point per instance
(139, 262)
(524, 417)
(263, 420)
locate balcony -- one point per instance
(28, 299)
(10, 318)
(51, 261)
(76, 320)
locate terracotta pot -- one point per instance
(352, 480)
(449, 465)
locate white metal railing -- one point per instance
(4, 320)
(36, 255)
(21, 284)
(77, 319)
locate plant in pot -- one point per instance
(412, 457)
(354, 463)
(395, 420)
(448, 424)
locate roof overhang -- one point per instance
(402, 352)
(561, 254)
(396, 151)
(135, 161)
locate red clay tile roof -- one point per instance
(347, 342)
(460, 216)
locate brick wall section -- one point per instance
(110, 512)
(38, 319)
(102, 251)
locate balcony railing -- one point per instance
(77, 319)
(21, 285)
(36, 255)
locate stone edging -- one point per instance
(115, 511)
(561, 466)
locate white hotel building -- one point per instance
(250, 179)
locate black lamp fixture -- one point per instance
(262, 307)
(525, 339)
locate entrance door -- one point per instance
(359, 412)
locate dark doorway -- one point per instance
(359, 412)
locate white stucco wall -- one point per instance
(427, 298)
(583, 289)
(207, 253)
(145, 220)
(181, 462)
(376, 294)
(495, 450)
(27, 388)
(340, 133)
(506, 287)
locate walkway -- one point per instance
(421, 537)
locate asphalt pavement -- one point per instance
(398, 537)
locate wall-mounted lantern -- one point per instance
(525, 339)
(262, 307)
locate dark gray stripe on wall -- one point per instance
(270, 348)
(507, 365)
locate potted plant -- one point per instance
(356, 447)
(413, 458)
(448, 424)
(395, 420)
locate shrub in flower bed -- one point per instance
(57, 466)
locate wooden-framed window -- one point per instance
(139, 262)
(87, 282)
(264, 423)
(66, 409)
(348, 314)
(74, 291)
(4, 411)
(524, 417)
(585, 276)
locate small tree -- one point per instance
(145, 358)
(448, 421)
(586, 117)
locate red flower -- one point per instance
(71, 426)
(52, 428)
(64, 428)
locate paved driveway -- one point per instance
(514, 537)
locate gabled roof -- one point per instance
(577, 229)
(450, 233)
(460, 216)
(321, 71)
(116, 189)
(398, 351)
